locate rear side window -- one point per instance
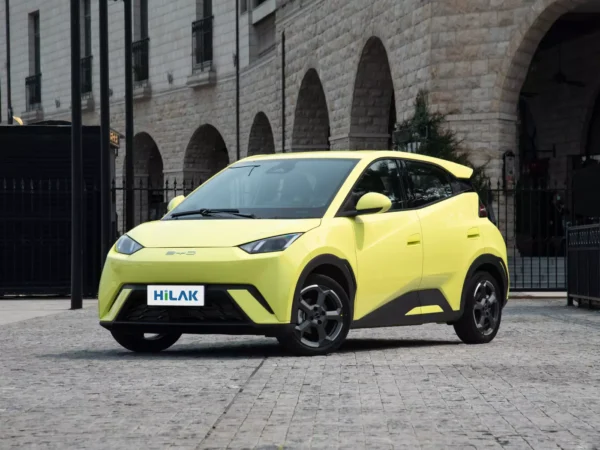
(461, 186)
(426, 184)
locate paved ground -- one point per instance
(65, 384)
(17, 310)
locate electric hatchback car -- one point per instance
(305, 247)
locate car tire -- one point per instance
(482, 313)
(322, 317)
(140, 344)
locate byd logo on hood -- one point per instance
(176, 295)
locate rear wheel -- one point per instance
(145, 343)
(321, 316)
(482, 315)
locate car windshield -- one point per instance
(269, 189)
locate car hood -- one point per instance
(214, 233)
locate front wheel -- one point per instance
(141, 343)
(483, 310)
(321, 316)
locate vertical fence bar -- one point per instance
(515, 235)
(20, 275)
(33, 231)
(76, 159)
(105, 207)
(3, 233)
(567, 266)
(129, 193)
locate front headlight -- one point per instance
(272, 244)
(127, 246)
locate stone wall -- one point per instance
(349, 66)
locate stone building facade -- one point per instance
(348, 71)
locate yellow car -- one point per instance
(306, 246)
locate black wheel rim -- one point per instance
(486, 310)
(320, 316)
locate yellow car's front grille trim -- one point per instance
(118, 304)
(253, 309)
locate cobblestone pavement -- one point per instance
(64, 383)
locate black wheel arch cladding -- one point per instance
(323, 265)
(495, 267)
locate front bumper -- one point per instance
(228, 309)
(258, 287)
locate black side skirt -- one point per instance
(393, 314)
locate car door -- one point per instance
(388, 245)
(449, 227)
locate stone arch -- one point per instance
(530, 31)
(147, 161)
(372, 116)
(311, 118)
(544, 150)
(205, 155)
(261, 140)
(148, 179)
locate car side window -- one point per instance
(383, 177)
(425, 184)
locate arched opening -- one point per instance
(149, 202)
(311, 119)
(551, 84)
(373, 114)
(206, 155)
(261, 136)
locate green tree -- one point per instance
(426, 134)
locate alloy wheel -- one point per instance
(486, 308)
(319, 319)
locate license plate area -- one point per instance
(175, 295)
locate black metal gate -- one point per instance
(35, 210)
(533, 222)
(583, 262)
(35, 238)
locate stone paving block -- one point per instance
(64, 384)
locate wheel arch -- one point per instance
(495, 267)
(333, 267)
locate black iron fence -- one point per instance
(35, 234)
(150, 199)
(534, 222)
(583, 264)
(202, 44)
(35, 230)
(35, 237)
(141, 67)
(33, 92)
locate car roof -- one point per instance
(458, 170)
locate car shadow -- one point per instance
(253, 349)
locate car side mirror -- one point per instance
(175, 202)
(373, 203)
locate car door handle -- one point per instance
(415, 239)
(473, 233)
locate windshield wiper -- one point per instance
(212, 212)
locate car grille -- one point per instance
(219, 308)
